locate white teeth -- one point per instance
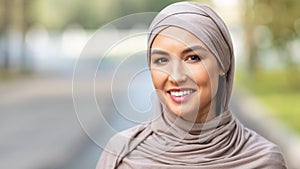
(181, 93)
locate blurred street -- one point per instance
(41, 130)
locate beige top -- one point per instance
(184, 145)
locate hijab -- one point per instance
(169, 141)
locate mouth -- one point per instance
(180, 95)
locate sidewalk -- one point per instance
(257, 117)
(39, 128)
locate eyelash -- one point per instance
(196, 58)
(162, 61)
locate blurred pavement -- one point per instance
(39, 128)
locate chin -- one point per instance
(183, 110)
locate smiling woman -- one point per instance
(183, 72)
(190, 55)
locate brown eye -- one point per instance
(161, 61)
(193, 58)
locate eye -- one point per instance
(193, 58)
(161, 61)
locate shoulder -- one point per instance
(270, 154)
(117, 143)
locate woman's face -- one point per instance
(185, 74)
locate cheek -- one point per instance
(200, 76)
(206, 78)
(158, 78)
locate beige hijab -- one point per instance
(169, 141)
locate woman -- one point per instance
(191, 60)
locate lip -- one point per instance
(179, 95)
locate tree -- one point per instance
(3, 31)
(279, 16)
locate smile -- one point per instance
(180, 95)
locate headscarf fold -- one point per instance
(169, 141)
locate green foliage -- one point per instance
(269, 82)
(285, 107)
(269, 25)
(279, 91)
(280, 16)
(53, 14)
(56, 14)
(6, 75)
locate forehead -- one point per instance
(176, 34)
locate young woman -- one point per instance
(191, 60)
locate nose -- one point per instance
(177, 74)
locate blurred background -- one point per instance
(64, 92)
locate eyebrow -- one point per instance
(158, 52)
(187, 50)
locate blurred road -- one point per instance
(41, 128)
(44, 125)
